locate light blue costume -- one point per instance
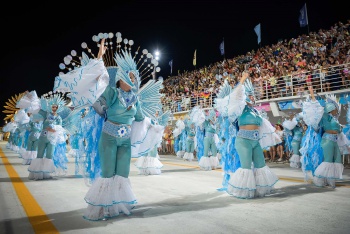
(43, 166)
(114, 143)
(180, 137)
(32, 143)
(93, 85)
(190, 141)
(209, 160)
(325, 163)
(253, 178)
(44, 144)
(295, 127)
(247, 141)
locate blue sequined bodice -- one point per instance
(129, 97)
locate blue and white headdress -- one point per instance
(53, 98)
(118, 61)
(249, 90)
(332, 103)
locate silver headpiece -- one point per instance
(118, 59)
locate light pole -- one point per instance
(157, 55)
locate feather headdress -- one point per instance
(118, 61)
(332, 103)
(53, 98)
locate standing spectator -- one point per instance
(279, 147)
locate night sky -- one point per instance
(36, 37)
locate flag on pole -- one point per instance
(195, 58)
(257, 30)
(171, 66)
(222, 48)
(303, 20)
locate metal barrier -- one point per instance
(333, 79)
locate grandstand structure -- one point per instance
(281, 79)
(288, 99)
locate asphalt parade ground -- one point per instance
(183, 199)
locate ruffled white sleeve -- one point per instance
(343, 143)
(290, 124)
(180, 126)
(58, 136)
(30, 102)
(9, 127)
(312, 113)
(268, 136)
(233, 104)
(197, 117)
(144, 137)
(21, 117)
(85, 84)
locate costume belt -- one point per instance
(209, 134)
(248, 134)
(331, 137)
(296, 138)
(190, 138)
(116, 130)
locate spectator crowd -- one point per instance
(320, 59)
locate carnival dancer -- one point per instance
(190, 141)
(34, 127)
(295, 125)
(51, 134)
(254, 178)
(179, 134)
(324, 162)
(120, 122)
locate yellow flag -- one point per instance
(195, 58)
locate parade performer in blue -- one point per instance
(126, 113)
(52, 132)
(35, 127)
(324, 130)
(227, 135)
(179, 134)
(206, 121)
(294, 125)
(254, 178)
(190, 141)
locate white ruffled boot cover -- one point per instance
(250, 183)
(242, 184)
(205, 163)
(295, 161)
(265, 179)
(28, 156)
(188, 156)
(326, 174)
(15, 148)
(22, 151)
(108, 197)
(148, 165)
(214, 162)
(41, 168)
(180, 154)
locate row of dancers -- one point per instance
(118, 119)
